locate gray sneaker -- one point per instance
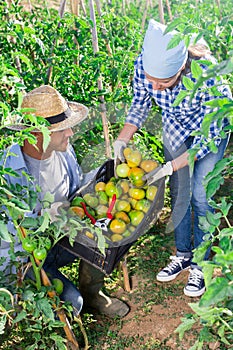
(172, 270)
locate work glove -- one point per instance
(158, 173)
(118, 147)
(53, 210)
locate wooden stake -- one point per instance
(61, 13)
(161, 12)
(74, 7)
(145, 14)
(100, 82)
(125, 275)
(104, 31)
(169, 10)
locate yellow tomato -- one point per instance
(116, 237)
(133, 158)
(122, 216)
(122, 205)
(148, 165)
(100, 186)
(151, 192)
(117, 226)
(135, 176)
(137, 193)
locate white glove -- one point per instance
(53, 210)
(119, 147)
(158, 173)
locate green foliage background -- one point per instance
(39, 47)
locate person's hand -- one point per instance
(158, 173)
(118, 147)
(53, 210)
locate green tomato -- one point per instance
(47, 243)
(28, 244)
(58, 285)
(40, 253)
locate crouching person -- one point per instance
(56, 170)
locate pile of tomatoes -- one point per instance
(133, 197)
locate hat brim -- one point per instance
(79, 112)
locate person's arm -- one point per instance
(127, 132)
(181, 161)
(137, 114)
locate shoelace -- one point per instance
(195, 277)
(175, 261)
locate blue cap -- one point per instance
(158, 61)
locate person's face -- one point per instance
(162, 84)
(59, 140)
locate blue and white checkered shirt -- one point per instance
(180, 121)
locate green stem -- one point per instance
(36, 270)
(228, 222)
(226, 324)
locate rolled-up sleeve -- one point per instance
(141, 103)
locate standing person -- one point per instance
(55, 170)
(158, 75)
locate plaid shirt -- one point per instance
(180, 121)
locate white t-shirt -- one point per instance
(51, 175)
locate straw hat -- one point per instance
(48, 103)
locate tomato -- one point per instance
(111, 188)
(77, 211)
(101, 211)
(137, 193)
(133, 158)
(28, 244)
(58, 285)
(91, 200)
(116, 237)
(47, 243)
(100, 186)
(117, 226)
(40, 253)
(76, 202)
(103, 198)
(148, 165)
(135, 176)
(122, 216)
(122, 170)
(143, 205)
(136, 216)
(151, 192)
(122, 205)
(124, 184)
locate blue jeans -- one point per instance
(188, 197)
(56, 258)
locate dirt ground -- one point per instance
(158, 325)
(151, 325)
